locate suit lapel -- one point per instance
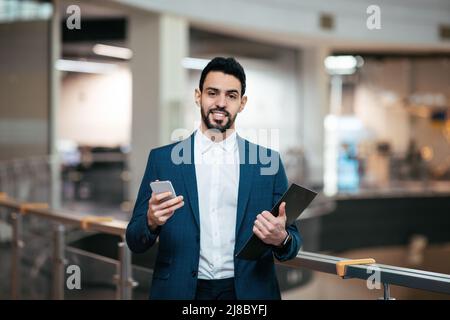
(245, 180)
(190, 180)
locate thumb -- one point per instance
(282, 210)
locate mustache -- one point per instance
(218, 109)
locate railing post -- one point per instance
(387, 292)
(58, 262)
(17, 245)
(124, 279)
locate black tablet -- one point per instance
(297, 199)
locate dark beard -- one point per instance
(220, 127)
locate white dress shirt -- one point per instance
(217, 173)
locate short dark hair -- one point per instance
(226, 65)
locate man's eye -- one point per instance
(211, 93)
(233, 96)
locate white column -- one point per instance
(159, 42)
(314, 84)
(174, 47)
(55, 81)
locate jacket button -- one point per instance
(194, 274)
(197, 238)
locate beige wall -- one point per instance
(96, 108)
(24, 89)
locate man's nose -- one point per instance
(221, 101)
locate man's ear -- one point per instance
(197, 96)
(243, 103)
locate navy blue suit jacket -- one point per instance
(175, 270)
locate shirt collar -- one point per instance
(205, 144)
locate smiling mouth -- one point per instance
(219, 115)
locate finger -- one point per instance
(151, 201)
(267, 224)
(167, 213)
(177, 206)
(282, 210)
(269, 217)
(166, 216)
(258, 233)
(169, 203)
(164, 219)
(169, 210)
(160, 196)
(261, 227)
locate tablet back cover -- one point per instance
(297, 199)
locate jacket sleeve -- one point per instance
(280, 187)
(138, 235)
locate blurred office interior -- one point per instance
(359, 113)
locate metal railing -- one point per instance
(388, 275)
(17, 211)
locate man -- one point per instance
(224, 190)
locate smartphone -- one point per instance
(163, 186)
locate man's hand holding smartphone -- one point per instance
(162, 205)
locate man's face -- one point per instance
(220, 100)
